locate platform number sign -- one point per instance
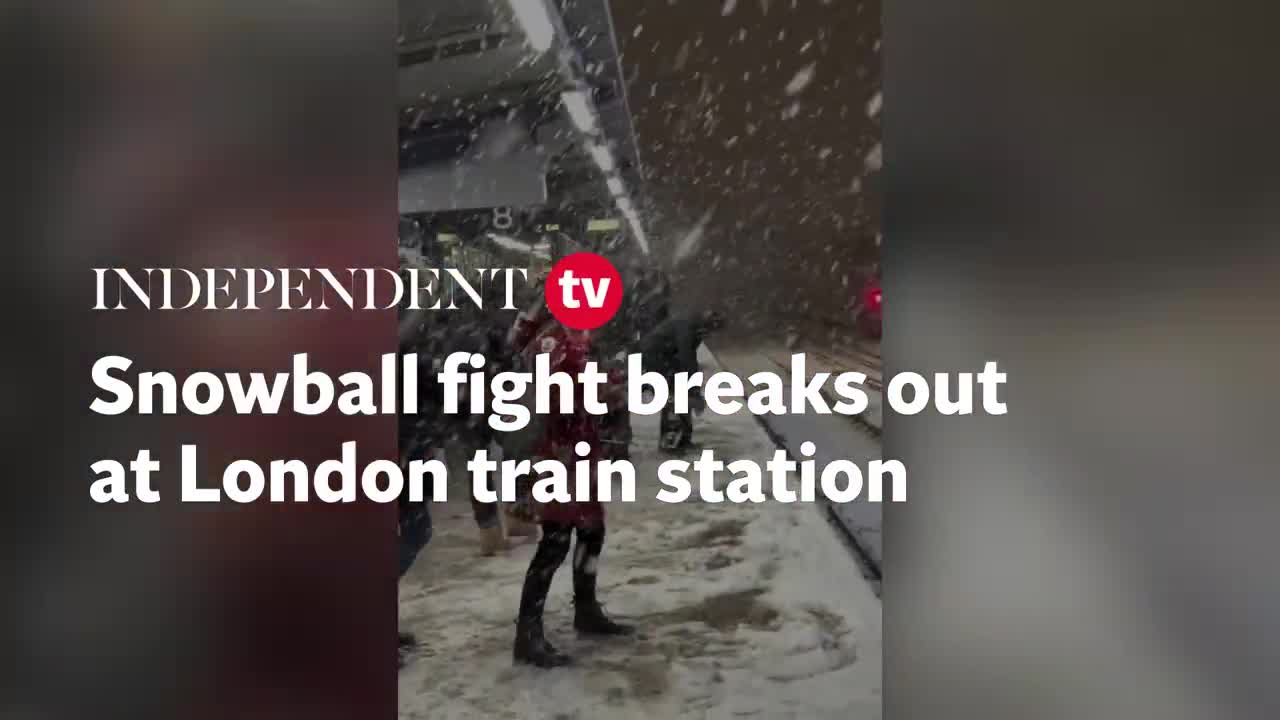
(503, 219)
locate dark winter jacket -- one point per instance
(653, 302)
(672, 346)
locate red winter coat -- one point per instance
(561, 433)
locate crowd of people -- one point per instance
(668, 341)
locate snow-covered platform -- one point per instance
(834, 436)
(745, 611)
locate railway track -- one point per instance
(865, 360)
(849, 535)
(860, 532)
(854, 359)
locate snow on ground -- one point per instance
(745, 611)
(834, 437)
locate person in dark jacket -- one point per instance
(470, 433)
(414, 527)
(653, 302)
(416, 438)
(672, 348)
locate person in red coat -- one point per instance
(560, 521)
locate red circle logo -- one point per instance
(584, 291)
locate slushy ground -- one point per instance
(744, 611)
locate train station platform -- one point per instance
(744, 611)
(834, 436)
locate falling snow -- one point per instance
(875, 159)
(874, 105)
(709, 133)
(715, 130)
(801, 79)
(692, 239)
(682, 56)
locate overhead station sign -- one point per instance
(459, 226)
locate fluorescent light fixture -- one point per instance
(615, 186)
(575, 101)
(535, 22)
(603, 225)
(602, 157)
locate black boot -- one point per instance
(406, 640)
(589, 617)
(531, 646)
(406, 643)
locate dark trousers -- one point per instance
(415, 532)
(675, 429)
(615, 434)
(486, 513)
(553, 548)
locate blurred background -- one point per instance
(192, 134)
(1083, 192)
